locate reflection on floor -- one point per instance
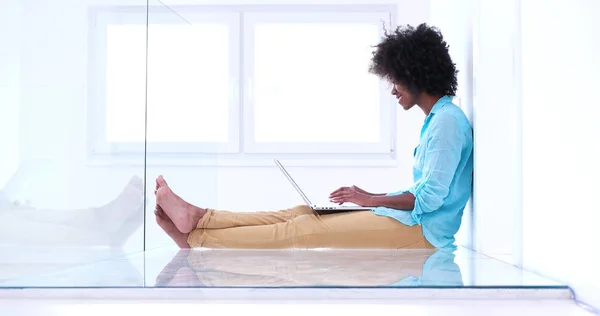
(413, 308)
(168, 267)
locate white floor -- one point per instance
(413, 308)
(97, 281)
(170, 267)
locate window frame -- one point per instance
(387, 109)
(241, 145)
(97, 120)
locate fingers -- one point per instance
(340, 191)
(338, 202)
(346, 194)
(336, 195)
(342, 197)
(337, 191)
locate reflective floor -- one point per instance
(169, 267)
(413, 308)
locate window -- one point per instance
(192, 74)
(241, 80)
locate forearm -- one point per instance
(405, 201)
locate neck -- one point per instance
(426, 102)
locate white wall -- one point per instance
(54, 171)
(536, 148)
(561, 150)
(496, 118)
(9, 93)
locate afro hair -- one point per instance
(416, 58)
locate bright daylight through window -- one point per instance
(243, 82)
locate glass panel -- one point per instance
(315, 74)
(63, 200)
(77, 105)
(125, 82)
(193, 61)
(179, 109)
(189, 95)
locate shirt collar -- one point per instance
(440, 104)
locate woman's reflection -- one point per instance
(327, 268)
(109, 225)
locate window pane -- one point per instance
(125, 82)
(188, 83)
(312, 83)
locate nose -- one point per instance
(394, 91)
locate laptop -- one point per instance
(323, 208)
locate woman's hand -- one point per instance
(351, 194)
(354, 188)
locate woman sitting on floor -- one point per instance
(427, 215)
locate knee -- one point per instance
(302, 210)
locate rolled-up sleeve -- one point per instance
(442, 157)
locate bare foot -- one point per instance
(167, 225)
(124, 210)
(184, 215)
(167, 273)
(157, 207)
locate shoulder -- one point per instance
(451, 117)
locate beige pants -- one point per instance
(305, 268)
(301, 227)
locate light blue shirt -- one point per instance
(439, 270)
(442, 174)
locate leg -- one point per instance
(219, 278)
(225, 219)
(182, 271)
(187, 217)
(335, 267)
(108, 225)
(117, 211)
(344, 230)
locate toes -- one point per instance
(160, 181)
(136, 182)
(158, 211)
(161, 220)
(161, 193)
